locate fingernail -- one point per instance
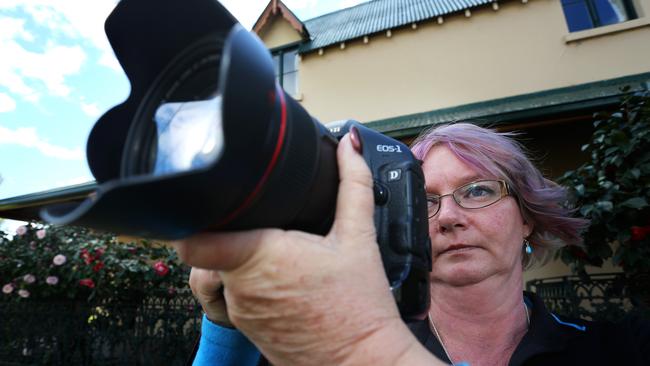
(354, 138)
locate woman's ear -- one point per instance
(528, 229)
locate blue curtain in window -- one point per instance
(577, 15)
(610, 11)
(586, 14)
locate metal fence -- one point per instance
(606, 296)
(159, 330)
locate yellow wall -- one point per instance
(279, 33)
(518, 49)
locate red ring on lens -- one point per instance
(274, 159)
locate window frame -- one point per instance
(280, 53)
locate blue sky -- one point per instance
(58, 74)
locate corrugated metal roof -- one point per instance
(376, 16)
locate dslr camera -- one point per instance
(208, 141)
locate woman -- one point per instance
(492, 214)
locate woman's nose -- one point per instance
(449, 216)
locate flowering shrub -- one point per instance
(613, 190)
(56, 263)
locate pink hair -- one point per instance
(497, 155)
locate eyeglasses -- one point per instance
(478, 194)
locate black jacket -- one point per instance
(555, 340)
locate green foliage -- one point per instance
(612, 189)
(59, 263)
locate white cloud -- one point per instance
(14, 28)
(7, 103)
(28, 137)
(52, 66)
(110, 61)
(77, 19)
(300, 4)
(90, 109)
(74, 181)
(246, 14)
(350, 3)
(24, 68)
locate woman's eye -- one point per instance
(477, 190)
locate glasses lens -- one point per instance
(433, 204)
(189, 134)
(478, 194)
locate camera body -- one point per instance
(208, 141)
(401, 219)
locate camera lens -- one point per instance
(178, 127)
(189, 135)
(209, 141)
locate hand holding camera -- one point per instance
(310, 299)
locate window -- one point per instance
(587, 14)
(286, 69)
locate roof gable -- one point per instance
(275, 8)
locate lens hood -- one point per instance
(146, 43)
(146, 35)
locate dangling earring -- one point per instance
(528, 248)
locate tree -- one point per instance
(613, 190)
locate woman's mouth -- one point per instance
(457, 248)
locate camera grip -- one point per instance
(400, 216)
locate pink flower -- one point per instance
(29, 278)
(59, 259)
(8, 288)
(40, 234)
(23, 293)
(21, 230)
(85, 255)
(160, 268)
(87, 282)
(52, 280)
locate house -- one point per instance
(542, 67)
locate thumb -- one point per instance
(355, 202)
(222, 251)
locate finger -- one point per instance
(204, 281)
(355, 203)
(222, 251)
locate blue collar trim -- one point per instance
(578, 327)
